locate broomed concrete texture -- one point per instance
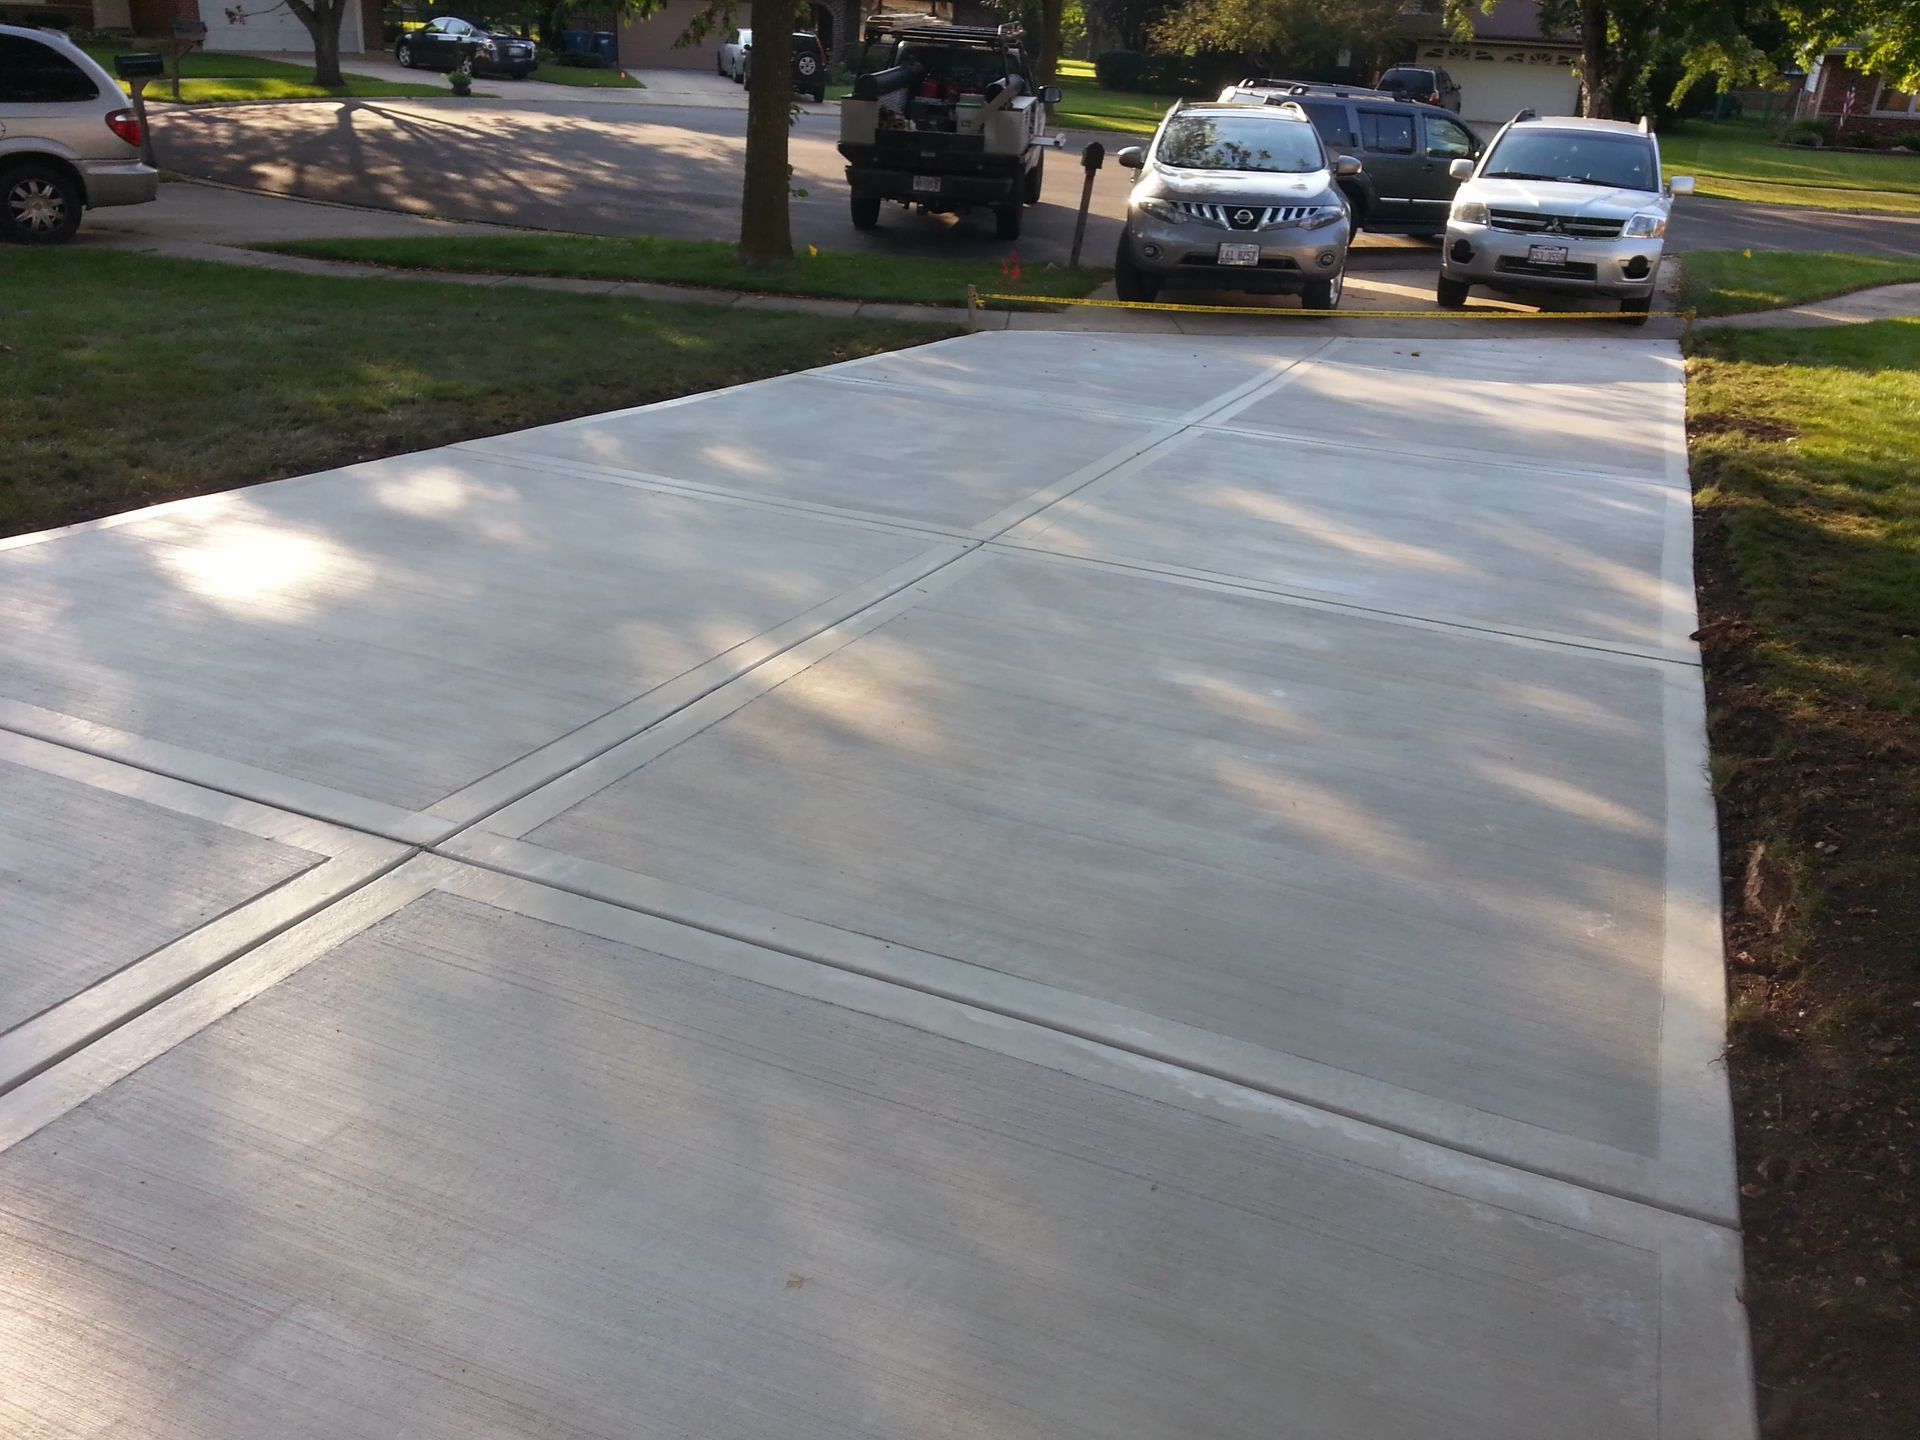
(1046, 926)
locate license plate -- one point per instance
(1239, 255)
(926, 184)
(1546, 254)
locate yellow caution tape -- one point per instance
(976, 300)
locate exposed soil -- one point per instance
(1819, 827)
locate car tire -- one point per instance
(866, 211)
(1036, 177)
(1450, 294)
(1634, 312)
(820, 96)
(1006, 222)
(1128, 281)
(403, 52)
(39, 204)
(519, 74)
(1324, 294)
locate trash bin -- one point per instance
(575, 42)
(604, 46)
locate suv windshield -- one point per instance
(1239, 142)
(1581, 157)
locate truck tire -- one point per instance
(1128, 282)
(1006, 221)
(1451, 294)
(866, 211)
(1035, 177)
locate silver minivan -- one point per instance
(68, 139)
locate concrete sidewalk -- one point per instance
(1042, 885)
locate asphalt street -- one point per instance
(676, 171)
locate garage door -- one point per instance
(264, 27)
(1492, 91)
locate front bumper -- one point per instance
(1482, 255)
(1186, 255)
(119, 182)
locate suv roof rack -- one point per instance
(1646, 126)
(1528, 114)
(1319, 87)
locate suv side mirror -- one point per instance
(1461, 169)
(1680, 185)
(1050, 95)
(1131, 158)
(1346, 165)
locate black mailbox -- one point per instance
(189, 29)
(140, 65)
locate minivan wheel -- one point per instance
(1324, 294)
(1634, 312)
(39, 204)
(1129, 282)
(866, 211)
(1452, 294)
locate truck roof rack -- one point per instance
(919, 26)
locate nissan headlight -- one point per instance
(1322, 217)
(1647, 225)
(1470, 212)
(1162, 210)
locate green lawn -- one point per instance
(610, 79)
(129, 379)
(1731, 282)
(212, 77)
(711, 264)
(1738, 160)
(1809, 553)
(1085, 106)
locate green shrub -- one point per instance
(1811, 133)
(574, 60)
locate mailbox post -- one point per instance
(1090, 160)
(187, 34)
(139, 69)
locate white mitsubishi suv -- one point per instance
(1561, 204)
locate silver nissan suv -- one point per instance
(1561, 204)
(1236, 197)
(68, 140)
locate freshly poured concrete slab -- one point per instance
(1456, 883)
(402, 645)
(901, 454)
(118, 887)
(1613, 407)
(1150, 376)
(483, 1158)
(1498, 544)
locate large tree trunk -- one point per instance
(766, 238)
(1596, 84)
(1046, 61)
(322, 19)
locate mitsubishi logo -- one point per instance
(1553, 226)
(1243, 218)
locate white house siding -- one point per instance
(268, 25)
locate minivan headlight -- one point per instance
(1470, 212)
(1647, 225)
(1162, 210)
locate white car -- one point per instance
(731, 62)
(1561, 204)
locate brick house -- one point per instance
(1855, 99)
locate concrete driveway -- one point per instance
(1044, 885)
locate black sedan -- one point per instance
(450, 43)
